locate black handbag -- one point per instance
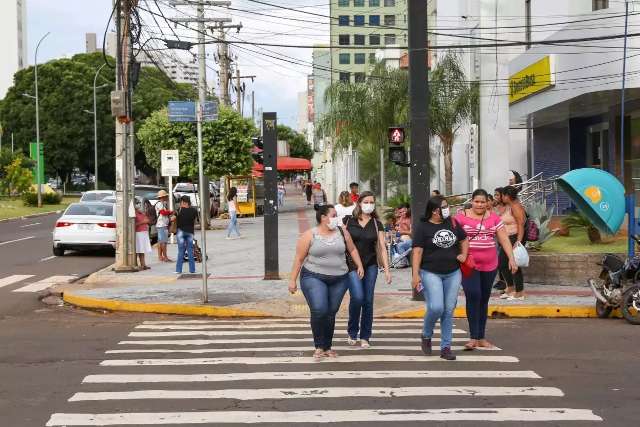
(351, 265)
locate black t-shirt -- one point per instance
(364, 238)
(441, 244)
(186, 219)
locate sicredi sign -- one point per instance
(532, 79)
(169, 163)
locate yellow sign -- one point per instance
(531, 80)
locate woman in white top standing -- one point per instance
(232, 202)
(345, 206)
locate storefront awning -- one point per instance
(287, 164)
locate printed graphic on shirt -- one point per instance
(444, 238)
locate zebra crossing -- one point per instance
(178, 372)
(26, 285)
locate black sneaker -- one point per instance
(426, 346)
(500, 285)
(446, 354)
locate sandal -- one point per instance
(485, 344)
(471, 345)
(318, 355)
(331, 353)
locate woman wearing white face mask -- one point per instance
(368, 235)
(321, 262)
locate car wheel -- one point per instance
(59, 251)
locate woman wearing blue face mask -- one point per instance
(368, 235)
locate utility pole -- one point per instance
(238, 91)
(270, 153)
(418, 108)
(253, 109)
(223, 54)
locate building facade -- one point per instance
(13, 28)
(90, 43)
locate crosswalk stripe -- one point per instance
(265, 321)
(306, 331)
(191, 327)
(319, 392)
(324, 416)
(310, 375)
(10, 280)
(45, 283)
(274, 349)
(261, 340)
(370, 358)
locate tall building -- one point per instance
(13, 32)
(90, 42)
(182, 72)
(358, 27)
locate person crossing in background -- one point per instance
(345, 205)
(354, 189)
(318, 196)
(308, 191)
(321, 263)
(186, 221)
(282, 192)
(368, 235)
(232, 203)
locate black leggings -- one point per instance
(477, 291)
(511, 279)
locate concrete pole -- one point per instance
(95, 129)
(238, 96)
(38, 163)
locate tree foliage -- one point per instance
(17, 178)
(226, 143)
(298, 146)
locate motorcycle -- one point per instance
(618, 286)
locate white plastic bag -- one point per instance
(520, 255)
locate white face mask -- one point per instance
(368, 207)
(333, 223)
(445, 213)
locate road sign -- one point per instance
(32, 155)
(210, 111)
(182, 111)
(169, 163)
(396, 135)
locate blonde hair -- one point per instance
(345, 199)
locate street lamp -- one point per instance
(95, 126)
(38, 165)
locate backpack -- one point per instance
(150, 212)
(531, 230)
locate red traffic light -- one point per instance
(396, 135)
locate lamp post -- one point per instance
(95, 126)
(38, 165)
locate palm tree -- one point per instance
(453, 102)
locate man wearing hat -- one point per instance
(162, 225)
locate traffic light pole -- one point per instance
(270, 153)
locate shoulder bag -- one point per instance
(351, 265)
(469, 265)
(379, 258)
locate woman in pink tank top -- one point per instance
(482, 227)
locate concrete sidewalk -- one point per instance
(236, 287)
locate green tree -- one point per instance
(17, 178)
(226, 143)
(7, 157)
(298, 146)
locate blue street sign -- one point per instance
(210, 111)
(182, 111)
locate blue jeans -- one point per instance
(361, 303)
(403, 246)
(232, 228)
(324, 295)
(441, 297)
(280, 199)
(185, 243)
(477, 291)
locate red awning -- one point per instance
(287, 164)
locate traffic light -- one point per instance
(256, 152)
(397, 153)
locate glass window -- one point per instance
(344, 58)
(343, 39)
(599, 4)
(390, 20)
(359, 58)
(358, 39)
(389, 39)
(343, 20)
(374, 3)
(358, 20)
(90, 209)
(359, 77)
(345, 77)
(374, 39)
(358, 3)
(372, 58)
(343, 3)
(374, 20)
(389, 3)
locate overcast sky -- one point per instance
(277, 83)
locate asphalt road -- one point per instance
(591, 363)
(25, 250)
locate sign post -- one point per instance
(170, 167)
(270, 153)
(38, 170)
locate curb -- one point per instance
(39, 214)
(180, 309)
(516, 311)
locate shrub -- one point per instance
(29, 198)
(541, 215)
(578, 220)
(51, 198)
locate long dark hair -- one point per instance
(357, 211)
(511, 192)
(233, 192)
(433, 203)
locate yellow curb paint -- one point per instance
(558, 311)
(183, 309)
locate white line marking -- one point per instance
(375, 341)
(286, 327)
(269, 321)
(10, 280)
(287, 332)
(312, 375)
(30, 225)
(45, 283)
(286, 349)
(48, 258)
(319, 392)
(365, 358)
(324, 416)
(16, 240)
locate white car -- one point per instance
(90, 225)
(96, 195)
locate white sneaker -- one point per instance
(515, 298)
(364, 344)
(351, 341)
(505, 296)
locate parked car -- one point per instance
(82, 226)
(96, 195)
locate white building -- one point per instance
(90, 43)
(181, 72)
(13, 32)
(302, 119)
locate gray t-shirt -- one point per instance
(327, 255)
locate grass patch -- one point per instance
(14, 208)
(578, 242)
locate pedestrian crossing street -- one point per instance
(218, 372)
(26, 283)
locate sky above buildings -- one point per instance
(281, 72)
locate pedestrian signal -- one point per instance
(396, 135)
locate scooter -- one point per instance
(618, 286)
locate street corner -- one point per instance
(513, 311)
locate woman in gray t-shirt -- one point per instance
(322, 265)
